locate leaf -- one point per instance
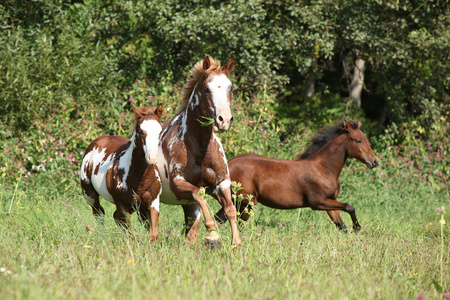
(209, 121)
(437, 286)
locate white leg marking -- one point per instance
(198, 213)
(156, 202)
(88, 199)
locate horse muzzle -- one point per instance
(372, 164)
(223, 123)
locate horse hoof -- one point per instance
(356, 229)
(238, 242)
(212, 238)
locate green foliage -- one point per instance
(69, 70)
(49, 60)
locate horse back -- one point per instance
(109, 143)
(272, 182)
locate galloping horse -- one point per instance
(192, 156)
(123, 172)
(310, 181)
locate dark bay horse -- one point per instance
(192, 156)
(310, 181)
(124, 172)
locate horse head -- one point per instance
(147, 131)
(358, 146)
(217, 91)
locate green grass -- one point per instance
(47, 253)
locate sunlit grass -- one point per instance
(53, 248)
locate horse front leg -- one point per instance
(335, 216)
(150, 216)
(185, 190)
(224, 197)
(330, 205)
(154, 218)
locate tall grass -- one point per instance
(52, 248)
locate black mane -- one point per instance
(323, 137)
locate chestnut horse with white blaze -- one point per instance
(124, 172)
(192, 156)
(310, 181)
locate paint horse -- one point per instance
(192, 156)
(310, 181)
(124, 172)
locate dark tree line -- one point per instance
(389, 59)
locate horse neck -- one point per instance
(191, 118)
(135, 157)
(333, 155)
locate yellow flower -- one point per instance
(131, 261)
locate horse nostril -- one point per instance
(220, 119)
(375, 163)
(232, 120)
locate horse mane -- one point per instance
(195, 75)
(320, 139)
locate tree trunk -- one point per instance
(357, 83)
(311, 85)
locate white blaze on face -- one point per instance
(153, 129)
(219, 87)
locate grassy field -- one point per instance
(48, 252)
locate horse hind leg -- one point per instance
(122, 217)
(245, 211)
(330, 205)
(92, 198)
(220, 216)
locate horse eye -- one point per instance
(358, 141)
(207, 90)
(141, 132)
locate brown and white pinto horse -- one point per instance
(124, 172)
(310, 181)
(192, 156)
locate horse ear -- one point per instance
(345, 124)
(229, 66)
(159, 110)
(137, 111)
(359, 124)
(206, 63)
